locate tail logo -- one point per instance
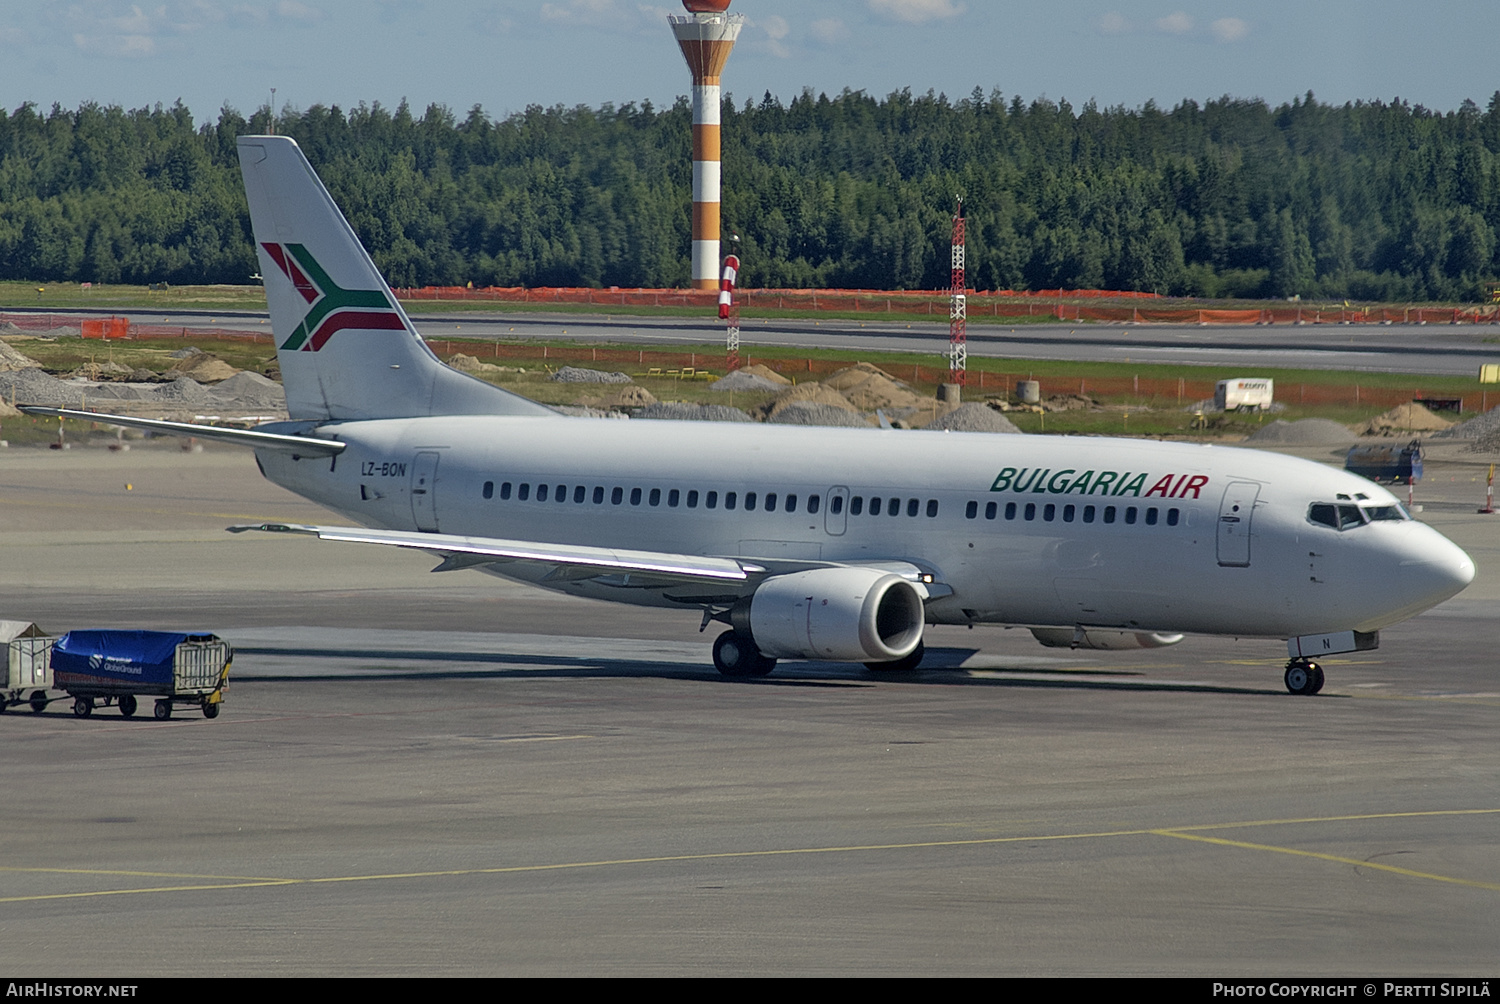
(333, 308)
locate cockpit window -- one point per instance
(1342, 516)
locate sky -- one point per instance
(504, 55)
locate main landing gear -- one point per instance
(736, 655)
(1303, 676)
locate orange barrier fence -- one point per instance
(110, 327)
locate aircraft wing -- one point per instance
(466, 552)
(303, 445)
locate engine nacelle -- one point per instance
(843, 614)
(1109, 640)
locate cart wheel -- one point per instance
(4, 704)
(210, 711)
(83, 707)
(163, 710)
(127, 704)
(38, 701)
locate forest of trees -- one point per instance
(1370, 200)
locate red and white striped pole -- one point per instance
(706, 36)
(729, 313)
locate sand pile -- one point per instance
(1404, 419)
(469, 364)
(818, 413)
(1069, 402)
(815, 393)
(10, 359)
(203, 367)
(629, 396)
(974, 417)
(1307, 432)
(868, 387)
(573, 374)
(679, 411)
(766, 372)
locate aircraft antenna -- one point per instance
(958, 338)
(706, 35)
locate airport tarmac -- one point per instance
(420, 774)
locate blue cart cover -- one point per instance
(140, 657)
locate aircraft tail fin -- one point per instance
(346, 348)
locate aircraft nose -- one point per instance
(1434, 568)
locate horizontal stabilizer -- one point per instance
(305, 446)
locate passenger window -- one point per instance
(635, 496)
(1068, 512)
(505, 489)
(856, 504)
(1010, 510)
(893, 507)
(489, 489)
(874, 505)
(770, 501)
(1109, 514)
(711, 500)
(1088, 513)
(617, 496)
(1130, 514)
(598, 495)
(1030, 511)
(729, 499)
(673, 497)
(932, 508)
(835, 504)
(913, 506)
(1048, 512)
(523, 493)
(791, 503)
(749, 501)
(989, 510)
(541, 493)
(561, 495)
(579, 494)
(814, 501)
(1151, 516)
(692, 499)
(1173, 515)
(971, 511)
(655, 497)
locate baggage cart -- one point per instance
(1395, 465)
(28, 665)
(117, 667)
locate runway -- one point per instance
(1453, 350)
(421, 775)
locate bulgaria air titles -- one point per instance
(1043, 480)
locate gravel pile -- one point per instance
(1477, 427)
(682, 412)
(817, 413)
(243, 392)
(743, 381)
(974, 417)
(1307, 432)
(250, 392)
(11, 359)
(574, 374)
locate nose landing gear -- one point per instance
(1303, 676)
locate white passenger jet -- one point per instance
(824, 544)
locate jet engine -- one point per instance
(842, 614)
(1109, 640)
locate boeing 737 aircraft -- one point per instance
(827, 544)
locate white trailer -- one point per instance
(28, 664)
(1243, 394)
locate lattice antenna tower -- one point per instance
(958, 336)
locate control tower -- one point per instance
(706, 35)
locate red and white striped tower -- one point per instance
(706, 35)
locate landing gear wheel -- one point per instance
(210, 711)
(1303, 677)
(906, 663)
(4, 704)
(38, 701)
(83, 706)
(127, 704)
(163, 710)
(737, 655)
